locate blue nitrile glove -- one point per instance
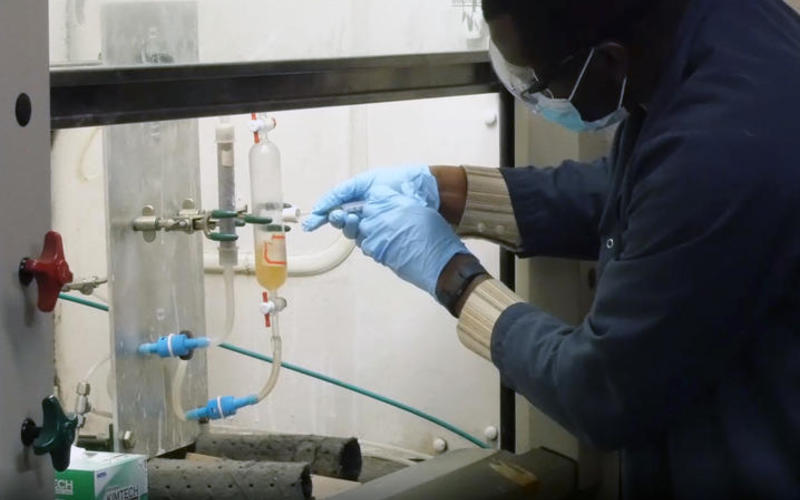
(346, 221)
(411, 239)
(418, 179)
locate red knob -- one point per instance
(267, 321)
(50, 270)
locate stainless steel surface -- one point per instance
(82, 404)
(128, 440)
(147, 223)
(26, 335)
(103, 96)
(188, 220)
(156, 288)
(85, 286)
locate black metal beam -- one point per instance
(106, 96)
(508, 408)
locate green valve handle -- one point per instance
(55, 436)
(252, 219)
(223, 237)
(224, 214)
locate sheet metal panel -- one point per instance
(156, 288)
(26, 335)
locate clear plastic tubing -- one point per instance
(95, 367)
(230, 306)
(180, 371)
(177, 388)
(228, 252)
(270, 239)
(276, 365)
(230, 302)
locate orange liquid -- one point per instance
(271, 271)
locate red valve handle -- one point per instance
(267, 321)
(50, 270)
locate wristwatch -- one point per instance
(452, 285)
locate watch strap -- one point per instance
(453, 287)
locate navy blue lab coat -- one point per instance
(689, 360)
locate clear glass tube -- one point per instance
(267, 201)
(270, 239)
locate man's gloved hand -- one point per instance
(415, 180)
(411, 239)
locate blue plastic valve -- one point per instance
(174, 345)
(221, 407)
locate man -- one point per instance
(689, 360)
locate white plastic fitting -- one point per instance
(262, 124)
(277, 304)
(225, 133)
(291, 214)
(491, 433)
(267, 307)
(439, 445)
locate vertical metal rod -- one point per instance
(508, 411)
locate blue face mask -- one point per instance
(560, 111)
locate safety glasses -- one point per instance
(524, 82)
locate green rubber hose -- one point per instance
(83, 302)
(364, 392)
(319, 376)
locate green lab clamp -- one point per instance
(260, 221)
(190, 219)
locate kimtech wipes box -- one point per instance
(102, 476)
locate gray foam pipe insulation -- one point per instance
(227, 480)
(328, 456)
